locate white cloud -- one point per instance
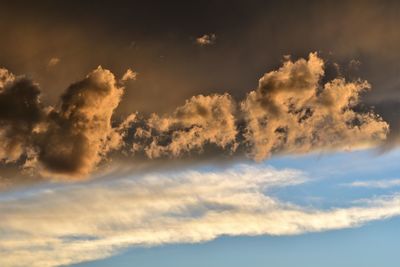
(79, 222)
(375, 183)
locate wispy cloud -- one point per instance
(80, 222)
(375, 183)
(129, 75)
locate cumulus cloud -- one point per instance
(291, 111)
(20, 112)
(129, 75)
(201, 120)
(206, 39)
(79, 132)
(5, 77)
(79, 222)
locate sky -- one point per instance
(213, 133)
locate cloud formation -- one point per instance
(206, 39)
(68, 140)
(384, 183)
(78, 222)
(53, 62)
(291, 111)
(78, 133)
(20, 112)
(202, 120)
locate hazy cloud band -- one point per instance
(78, 222)
(291, 111)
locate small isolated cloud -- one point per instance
(53, 62)
(383, 184)
(129, 75)
(206, 39)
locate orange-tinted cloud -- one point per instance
(291, 111)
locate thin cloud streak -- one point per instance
(383, 184)
(80, 222)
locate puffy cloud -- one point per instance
(68, 140)
(79, 132)
(292, 112)
(79, 222)
(289, 112)
(202, 120)
(206, 39)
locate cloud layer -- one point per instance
(291, 111)
(78, 222)
(382, 184)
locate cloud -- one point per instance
(206, 39)
(68, 140)
(20, 112)
(202, 120)
(129, 75)
(291, 111)
(78, 222)
(79, 133)
(383, 184)
(53, 62)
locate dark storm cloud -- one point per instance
(68, 140)
(291, 111)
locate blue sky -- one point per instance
(328, 186)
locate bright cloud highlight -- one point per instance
(78, 222)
